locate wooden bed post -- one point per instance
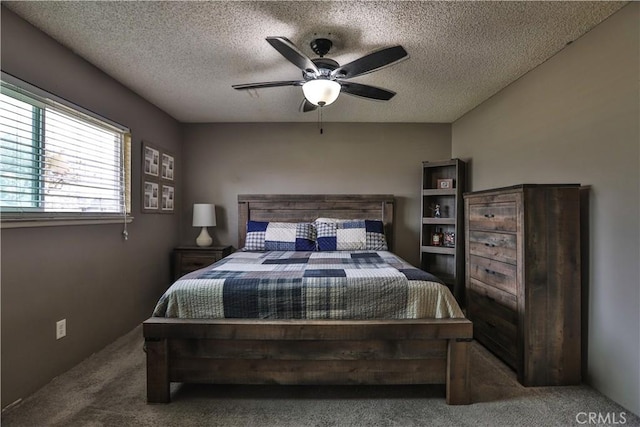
(157, 370)
(458, 392)
(387, 219)
(243, 217)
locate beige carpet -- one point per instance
(108, 389)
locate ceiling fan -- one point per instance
(323, 79)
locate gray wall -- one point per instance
(89, 275)
(575, 118)
(224, 160)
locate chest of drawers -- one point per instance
(523, 278)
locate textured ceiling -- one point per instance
(184, 56)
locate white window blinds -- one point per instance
(56, 160)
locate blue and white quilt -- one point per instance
(309, 285)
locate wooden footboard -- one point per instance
(244, 351)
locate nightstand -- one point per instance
(190, 258)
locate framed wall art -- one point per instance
(168, 197)
(150, 160)
(158, 179)
(167, 167)
(150, 196)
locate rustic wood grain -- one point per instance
(458, 392)
(308, 207)
(544, 278)
(310, 349)
(267, 371)
(327, 330)
(498, 246)
(157, 371)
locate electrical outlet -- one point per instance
(61, 328)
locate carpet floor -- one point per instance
(108, 389)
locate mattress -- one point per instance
(309, 285)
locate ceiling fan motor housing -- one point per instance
(325, 66)
(321, 47)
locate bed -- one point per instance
(361, 350)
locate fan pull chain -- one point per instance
(320, 120)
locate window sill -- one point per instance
(55, 222)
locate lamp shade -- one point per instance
(321, 91)
(204, 215)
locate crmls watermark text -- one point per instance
(600, 418)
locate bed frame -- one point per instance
(250, 351)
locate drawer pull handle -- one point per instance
(489, 215)
(489, 271)
(490, 245)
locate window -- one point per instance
(58, 160)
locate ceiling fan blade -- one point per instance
(306, 106)
(268, 84)
(366, 91)
(371, 62)
(293, 54)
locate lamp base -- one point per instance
(204, 239)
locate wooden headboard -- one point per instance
(308, 207)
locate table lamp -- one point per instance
(204, 215)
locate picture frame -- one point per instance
(150, 160)
(449, 239)
(168, 198)
(150, 196)
(167, 166)
(444, 184)
(158, 175)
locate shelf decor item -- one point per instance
(449, 239)
(437, 238)
(445, 184)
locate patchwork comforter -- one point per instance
(309, 285)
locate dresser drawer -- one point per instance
(497, 315)
(496, 216)
(498, 246)
(496, 325)
(195, 262)
(189, 258)
(493, 294)
(495, 273)
(507, 351)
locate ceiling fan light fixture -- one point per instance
(321, 92)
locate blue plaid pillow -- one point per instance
(280, 236)
(351, 235)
